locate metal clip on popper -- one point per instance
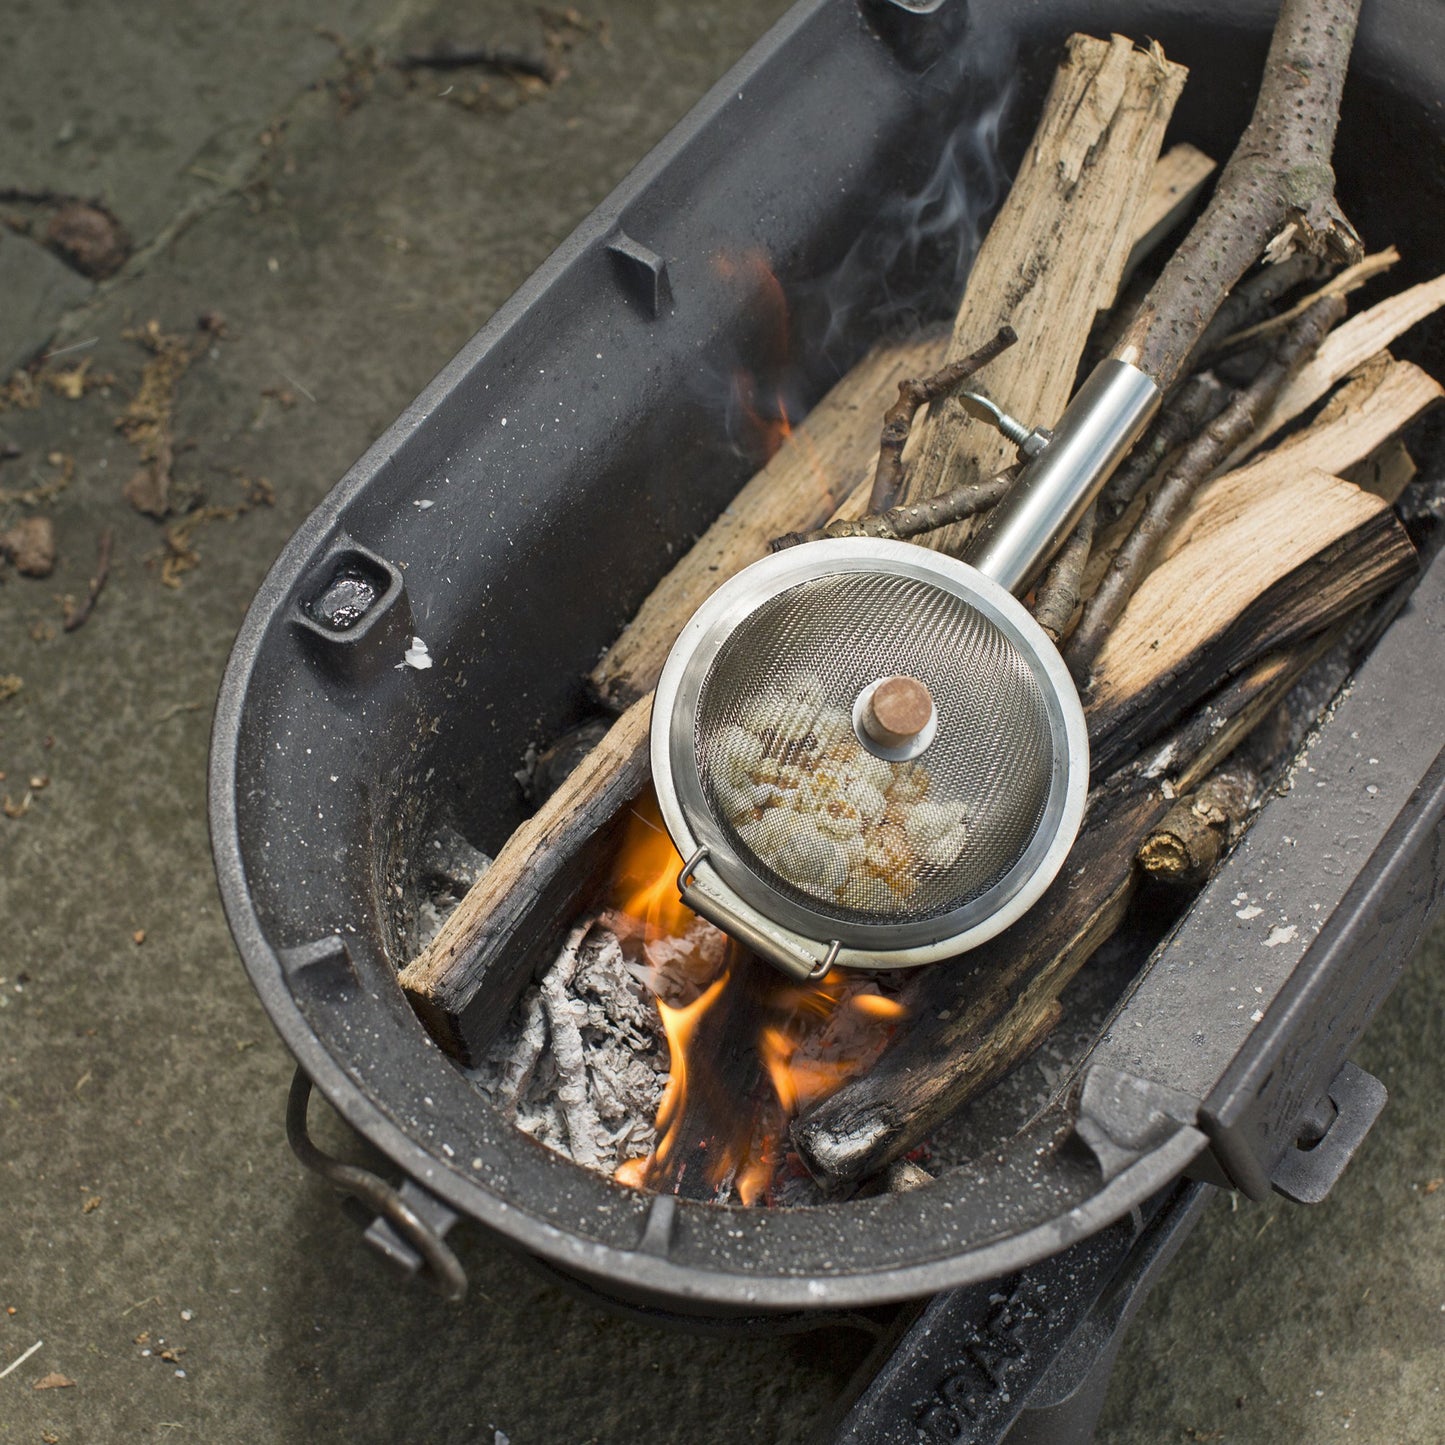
(812, 833)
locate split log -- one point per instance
(1386, 472)
(1055, 255)
(1345, 350)
(1197, 460)
(524, 902)
(1272, 518)
(1263, 570)
(1378, 400)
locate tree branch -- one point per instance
(914, 393)
(1276, 195)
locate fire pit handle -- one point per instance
(439, 1265)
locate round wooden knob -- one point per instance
(900, 708)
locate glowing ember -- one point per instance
(748, 1048)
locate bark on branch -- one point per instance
(917, 392)
(1193, 466)
(909, 519)
(1275, 197)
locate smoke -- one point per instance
(908, 264)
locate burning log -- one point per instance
(529, 895)
(722, 1062)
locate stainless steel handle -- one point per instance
(1044, 505)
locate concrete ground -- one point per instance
(187, 1280)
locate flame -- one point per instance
(680, 1025)
(758, 410)
(790, 1046)
(764, 431)
(645, 879)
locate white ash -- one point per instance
(582, 1065)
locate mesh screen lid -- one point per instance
(816, 814)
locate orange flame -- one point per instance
(762, 409)
(805, 1042)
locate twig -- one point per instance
(1194, 464)
(912, 518)
(1058, 591)
(914, 393)
(483, 57)
(76, 617)
(15, 1364)
(1253, 300)
(1348, 280)
(1188, 841)
(1191, 408)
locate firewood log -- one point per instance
(523, 903)
(1055, 255)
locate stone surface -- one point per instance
(39, 289)
(148, 1202)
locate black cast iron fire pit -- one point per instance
(584, 420)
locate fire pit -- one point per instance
(435, 616)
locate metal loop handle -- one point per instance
(443, 1270)
(793, 962)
